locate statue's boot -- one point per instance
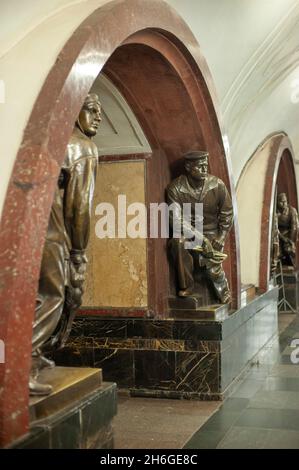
(185, 292)
(39, 361)
(36, 388)
(46, 363)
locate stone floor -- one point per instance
(152, 423)
(263, 411)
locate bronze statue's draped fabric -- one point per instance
(63, 262)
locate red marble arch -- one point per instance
(29, 197)
(281, 173)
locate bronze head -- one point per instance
(282, 201)
(196, 164)
(90, 115)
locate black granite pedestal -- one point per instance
(174, 358)
(77, 415)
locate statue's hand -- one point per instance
(77, 273)
(218, 243)
(207, 248)
(74, 291)
(77, 258)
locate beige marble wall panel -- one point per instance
(116, 273)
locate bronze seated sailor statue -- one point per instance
(288, 226)
(198, 186)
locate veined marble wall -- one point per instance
(116, 273)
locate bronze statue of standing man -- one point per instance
(198, 186)
(64, 261)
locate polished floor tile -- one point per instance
(248, 388)
(221, 421)
(283, 384)
(267, 413)
(235, 404)
(205, 440)
(285, 371)
(269, 419)
(254, 438)
(275, 399)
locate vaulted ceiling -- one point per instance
(252, 49)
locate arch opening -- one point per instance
(175, 116)
(270, 167)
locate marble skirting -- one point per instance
(196, 359)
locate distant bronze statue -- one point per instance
(288, 225)
(197, 186)
(64, 261)
(275, 249)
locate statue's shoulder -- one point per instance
(293, 211)
(178, 183)
(79, 147)
(214, 182)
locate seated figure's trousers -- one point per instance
(184, 264)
